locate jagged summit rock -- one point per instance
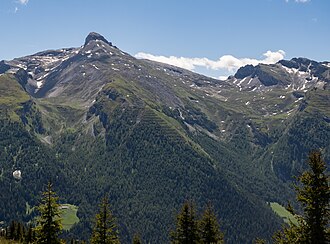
(93, 36)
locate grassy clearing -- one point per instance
(283, 213)
(69, 216)
(12, 96)
(28, 209)
(4, 241)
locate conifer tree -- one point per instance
(209, 227)
(314, 195)
(49, 222)
(29, 235)
(186, 226)
(137, 239)
(12, 230)
(20, 232)
(259, 241)
(105, 229)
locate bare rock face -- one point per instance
(17, 174)
(3, 67)
(93, 36)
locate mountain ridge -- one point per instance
(152, 135)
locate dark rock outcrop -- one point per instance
(3, 67)
(93, 36)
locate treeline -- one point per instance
(313, 193)
(19, 232)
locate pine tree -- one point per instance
(209, 227)
(20, 232)
(314, 195)
(12, 230)
(105, 229)
(186, 226)
(137, 239)
(29, 235)
(49, 222)
(259, 241)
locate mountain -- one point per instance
(297, 74)
(95, 120)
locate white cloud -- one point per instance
(222, 77)
(226, 62)
(24, 2)
(16, 10)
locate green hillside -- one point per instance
(151, 136)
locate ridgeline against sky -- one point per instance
(210, 37)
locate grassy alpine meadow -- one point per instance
(69, 216)
(283, 213)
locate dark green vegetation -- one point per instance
(189, 229)
(48, 225)
(151, 136)
(313, 193)
(105, 229)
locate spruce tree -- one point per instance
(259, 241)
(29, 235)
(137, 239)
(49, 222)
(209, 227)
(186, 231)
(105, 229)
(314, 194)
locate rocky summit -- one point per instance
(96, 121)
(93, 36)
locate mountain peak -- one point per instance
(93, 36)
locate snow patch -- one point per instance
(181, 116)
(39, 84)
(327, 65)
(242, 80)
(290, 70)
(95, 66)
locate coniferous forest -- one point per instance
(313, 195)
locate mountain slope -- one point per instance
(152, 135)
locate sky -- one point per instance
(212, 37)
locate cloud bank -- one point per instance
(226, 62)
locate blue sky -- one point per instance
(213, 37)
